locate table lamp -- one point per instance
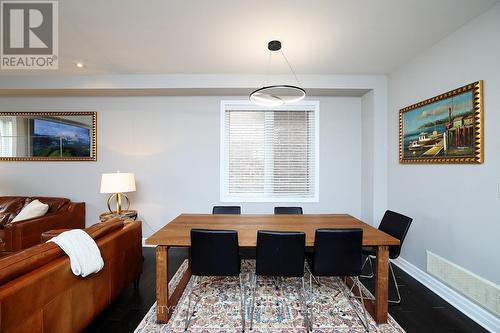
(117, 183)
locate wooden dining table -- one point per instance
(177, 233)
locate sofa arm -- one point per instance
(48, 235)
(24, 234)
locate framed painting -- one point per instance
(444, 129)
(48, 136)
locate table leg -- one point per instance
(381, 284)
(176, 294)
(162, 306)
(166, 301)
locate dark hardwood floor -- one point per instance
(421, 310)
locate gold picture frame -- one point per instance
(81, 147)
(445, 129)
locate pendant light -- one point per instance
(280, 94)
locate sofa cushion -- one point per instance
(4, 219)
(55, 204)
(10, 207)
(32, 210)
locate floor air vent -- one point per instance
(481, 291)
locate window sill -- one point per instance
(269, 200)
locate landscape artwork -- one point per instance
(443, 129)
(60, 139)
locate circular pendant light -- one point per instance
(277, 95)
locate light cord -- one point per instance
(267, 69)
(291, 68)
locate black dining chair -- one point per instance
(288, 210)
(214, 253)
(280, 254)
(397, 226)
(226, 210)
(337, 253)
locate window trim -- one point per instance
(245, 105)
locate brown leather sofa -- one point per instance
(20, 235)
(39, 292)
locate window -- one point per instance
(269, 155)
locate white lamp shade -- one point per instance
(117, 182)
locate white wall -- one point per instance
(367, 156)
(172, 145)
(456, 208)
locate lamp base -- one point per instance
(119, 209)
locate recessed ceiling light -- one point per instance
(79, 65)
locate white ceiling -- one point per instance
(230, 36)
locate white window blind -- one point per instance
(6, 137)
(269, 155)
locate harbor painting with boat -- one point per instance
(443, 129)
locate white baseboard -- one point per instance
(477, 313)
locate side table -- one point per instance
(126, 215)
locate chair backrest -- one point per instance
(288, 210)
(214, 252)
(226, 210)
(397, 226)
(338, 252)
(280, 253)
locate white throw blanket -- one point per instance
(83, 252)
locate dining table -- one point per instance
(176, 233)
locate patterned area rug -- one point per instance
(276, 309)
